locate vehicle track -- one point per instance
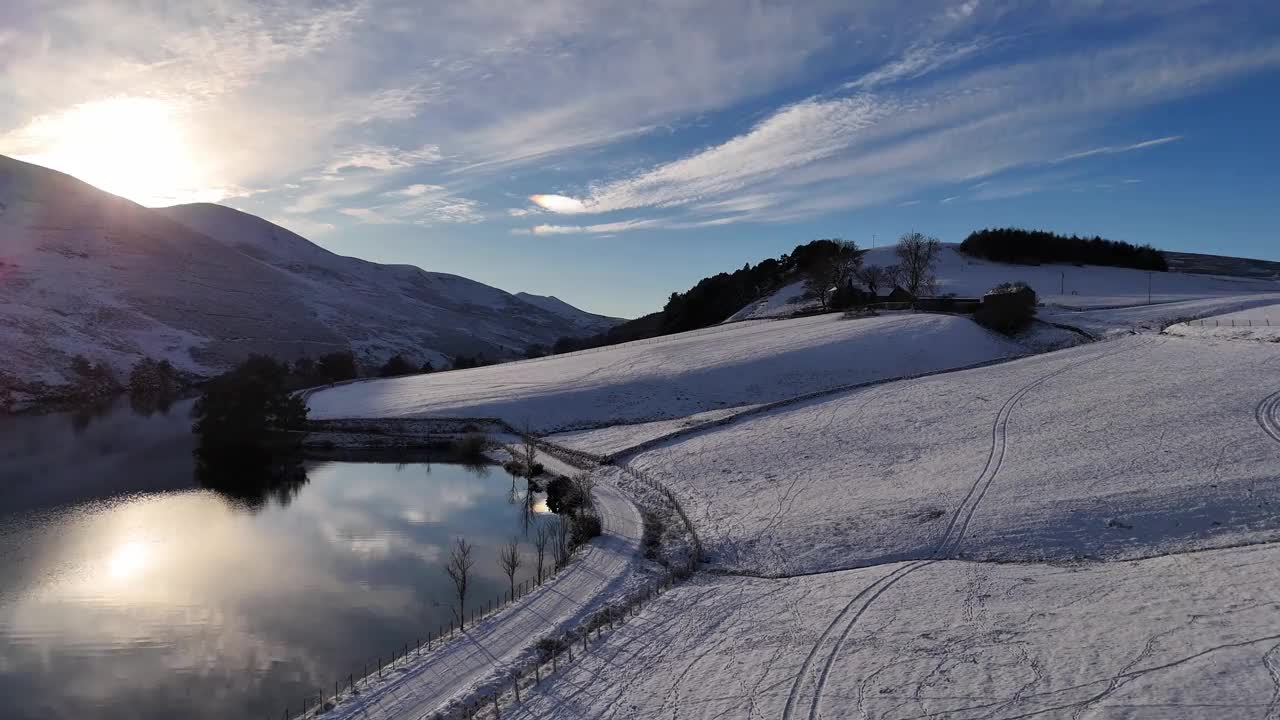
(1267, 412)
(958, 525)
(853, 610)
(951, 539)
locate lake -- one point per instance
(129, 591)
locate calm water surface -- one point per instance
(127, 591)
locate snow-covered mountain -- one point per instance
(86, 272)
(589, 322)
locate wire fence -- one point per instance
(554, 652)
(371, 673)
(1236, 322)
(556, 655)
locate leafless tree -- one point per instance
(917, 254)
(530, 445)
(833, 271)
(875, 278)
(560, 548)
(540, 541)
(509, 558)
(459, 569)
(584, 486)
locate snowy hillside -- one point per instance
(676, 375)
(1191, 637)
(85, 272)
(1064, 286)
(589, 322)
(1118, 449)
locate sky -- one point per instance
(612, 152)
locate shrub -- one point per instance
(152, 378)
(651, 540)
(93, 381)
(395, 366)
(337, 366)
(1007, 308)
(583, 527)
(471, 447)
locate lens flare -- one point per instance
(559, 203)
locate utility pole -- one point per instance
(1063, 289)
(1148, 288)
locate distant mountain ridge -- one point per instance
(589, 322)
(83, 272)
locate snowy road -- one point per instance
(418, 689)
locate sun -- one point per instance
(135, 147)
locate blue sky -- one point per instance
(612, 152)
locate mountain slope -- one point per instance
(85, 272)
(588, 322)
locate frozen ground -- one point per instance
(1259, 323)
(1120, 449)
(1182, 637)
(679, 375)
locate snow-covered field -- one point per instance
(1259, 323)
(1182, 637)
(1062, 287)
(679, 375)
(1119, 449)
(1078, 287)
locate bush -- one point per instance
(583, 527)
(336, 367)
(243, 414)
(93, 381)
(395, 366)
(152, 378)
(1007, 308)
(651, 540)
(471, 446)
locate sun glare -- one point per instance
(127, 559)
(133, 147)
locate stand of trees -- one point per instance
(713, 299)
(1032, 247)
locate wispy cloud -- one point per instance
(418, 204)
(1115, 149)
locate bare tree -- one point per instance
(509, 558)
(917, 255)
(540, 540)
(459, 569)
(584, 486)
(530, 450)
(834, 270)
(875, 278)
(560, 549)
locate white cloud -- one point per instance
(417, 204)
(824, 154)
(382, 157)
(1114, 149)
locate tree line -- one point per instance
(832, 269)
(1032, 247)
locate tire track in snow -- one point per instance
(1267, 413)
(959, 523)
(869, 593)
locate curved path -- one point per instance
(1268, 415)
(423, 686)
